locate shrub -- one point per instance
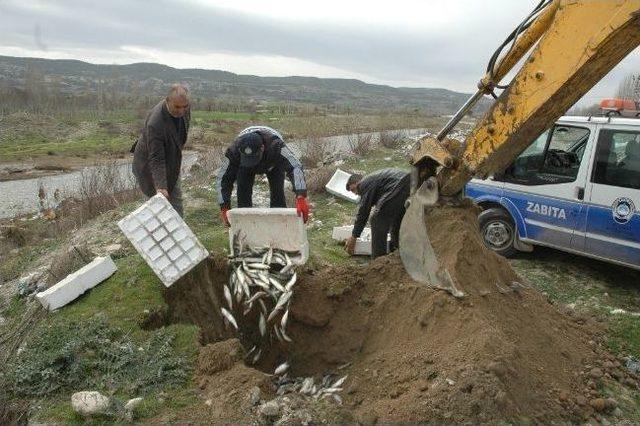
(391, 139)
(318, 178)
(316, 151)
(361, 143)
(92, 355)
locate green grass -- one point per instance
(99, 143)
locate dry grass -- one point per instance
(361, 144)
(316, 151)
(205, 169)
(391, 139)
(104, 187)
(318, 178)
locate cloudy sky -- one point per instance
(415, 43)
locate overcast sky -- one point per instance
(416, 43)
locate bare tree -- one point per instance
(629, 88)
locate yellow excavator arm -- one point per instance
(573, 44)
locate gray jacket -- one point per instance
(157, 156)
(375, 189)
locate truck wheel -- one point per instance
(498, 231)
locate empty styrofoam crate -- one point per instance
(363, 243)
(163, 239)
(337, 186)
(279, 228)
(341, 233)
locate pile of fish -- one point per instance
(326, 388)
(260, 285)
(260, 280)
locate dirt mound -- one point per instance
(419, 355)
(415, 354)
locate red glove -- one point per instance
(302, 206)
(225, 218)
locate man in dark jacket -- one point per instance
(260, 150)
(387, 190)
(157, 155)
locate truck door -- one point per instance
(546, 184)
(612, 228)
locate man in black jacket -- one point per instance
(260, 150)
(387, 190)
(157, 155)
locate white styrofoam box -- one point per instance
(337, 186)
(163, 239)
(363, 243)
(76, 283)
(279, 228)
(341, 233)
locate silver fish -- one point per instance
(339, 382)
(262, 324)
(307, 386)
(283, 299)
(251, 351)
(287, 268)
(276, 284)
(273, 314)
(245, 288)
(283, 320)
(281, 369)
(229, 317)
(258, 266)
(241, 276)
(284, 336)
(256, 296)
(291, 282)
(227, 296)
(278, 335)
(263, 307)
(257, 356)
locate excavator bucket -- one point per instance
(416, 251)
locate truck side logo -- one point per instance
(623, 210)
(545, 210)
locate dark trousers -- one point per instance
(245, 180)
(386, 220)
(175, 196)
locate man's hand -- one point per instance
(302, 206)
(163, 192)
(225, 218)
(350, 245)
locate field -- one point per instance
(37, 144)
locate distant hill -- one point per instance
(78, 77)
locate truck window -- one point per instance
(550, 159)
(618, 159)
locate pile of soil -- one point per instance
(415, 354)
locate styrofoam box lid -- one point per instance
(279, 228)
(337, 186)
(163, 239)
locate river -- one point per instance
(21, 197)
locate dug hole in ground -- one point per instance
(412, 354)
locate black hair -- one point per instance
(354, 178)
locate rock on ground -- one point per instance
(89, 403)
